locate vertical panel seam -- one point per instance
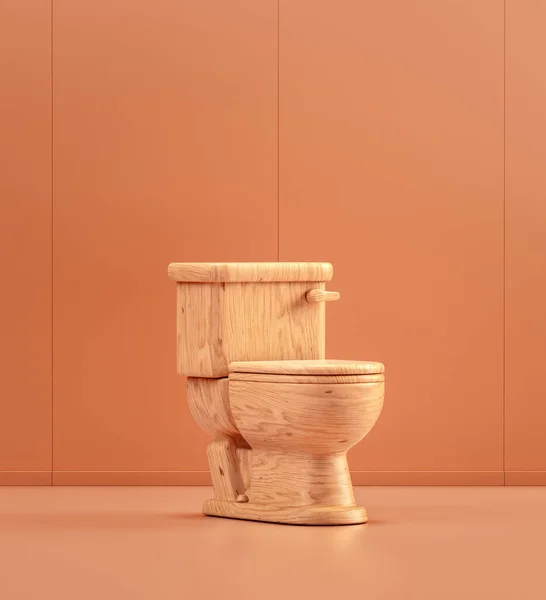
(52, 229)
(278, 135)
(504, 254)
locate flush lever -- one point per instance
(317, 295)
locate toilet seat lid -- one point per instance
(308, 367)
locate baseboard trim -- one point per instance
(486, 478)
(526, 478)
(427, 477)
(25, 477)
(203, 478)
(131, 478)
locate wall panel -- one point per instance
(525, 242)
(25, 242)
(165, 149)
(391, 166)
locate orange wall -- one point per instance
(525, 242)
(165, 148)
(25, 242)
(393, 160)
(368, 134)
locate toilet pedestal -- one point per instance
(296, 489)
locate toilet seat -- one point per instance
(308, 371)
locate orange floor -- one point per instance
(149, 543)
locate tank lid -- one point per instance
(250, 271)
(308, 367)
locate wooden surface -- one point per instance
(299, 435)
(165, 136)
(525, 453)
(307, 419)
(25, 242)
(208, 400)
(308, 367)
(301, 515)
(241, 272)
(391, 166)
(223, 322)
(284, 378)
(227, 453)
(321, 296)
(225, 471)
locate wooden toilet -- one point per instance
(251, 339)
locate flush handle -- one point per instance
(317, 295)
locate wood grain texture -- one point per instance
(308, 419)
(299, 436)
(223, 322)
(224, 466)
(321, 379)
(250, 271)
(321, 296)
(308, 367)
(301, 515)
(208, 400)
(209, 405)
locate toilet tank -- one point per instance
(247, 311)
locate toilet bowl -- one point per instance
(300, 418)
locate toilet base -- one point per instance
(289, 515)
